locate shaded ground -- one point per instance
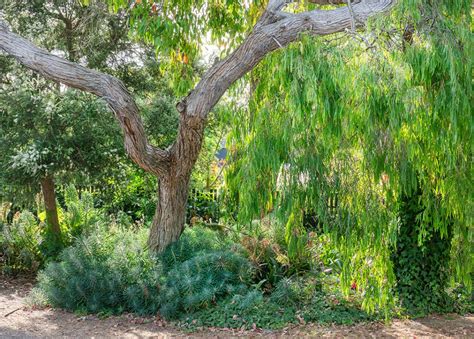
(20, 321)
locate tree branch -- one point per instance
(330, 2)
(111, 89)
(268, 37)
(277, 5)
(272, 31)
(275, 29)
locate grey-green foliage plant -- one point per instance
(197, 240)
(106, 272)
(202, 280)
(201, 268)
(109, 271)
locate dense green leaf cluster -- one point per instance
(343, 128)
(76, 135)
(80, 217)
(25, 242)
(91, 34)
(422, 271)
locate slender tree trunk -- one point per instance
(168, 222)
(49, 195)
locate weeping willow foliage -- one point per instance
(343, 128)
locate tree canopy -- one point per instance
(365, 119)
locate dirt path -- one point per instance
(19, 321)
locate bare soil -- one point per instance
(18, 320)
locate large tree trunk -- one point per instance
(168, 222)
(49, 196)
(173, 187)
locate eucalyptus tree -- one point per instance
(177, 28)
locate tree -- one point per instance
(371, 133)
(51, 134)
(274, 29)
(56, 137)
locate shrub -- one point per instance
(80, 217)
(26, 243)
(106, 272)
(77, 218)
(129, 191)
(193, 241)
(278, 251)
(267, 257)
(201, 268)
(203, 280)
(20, 244)
(110, 272)
(462, 298)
